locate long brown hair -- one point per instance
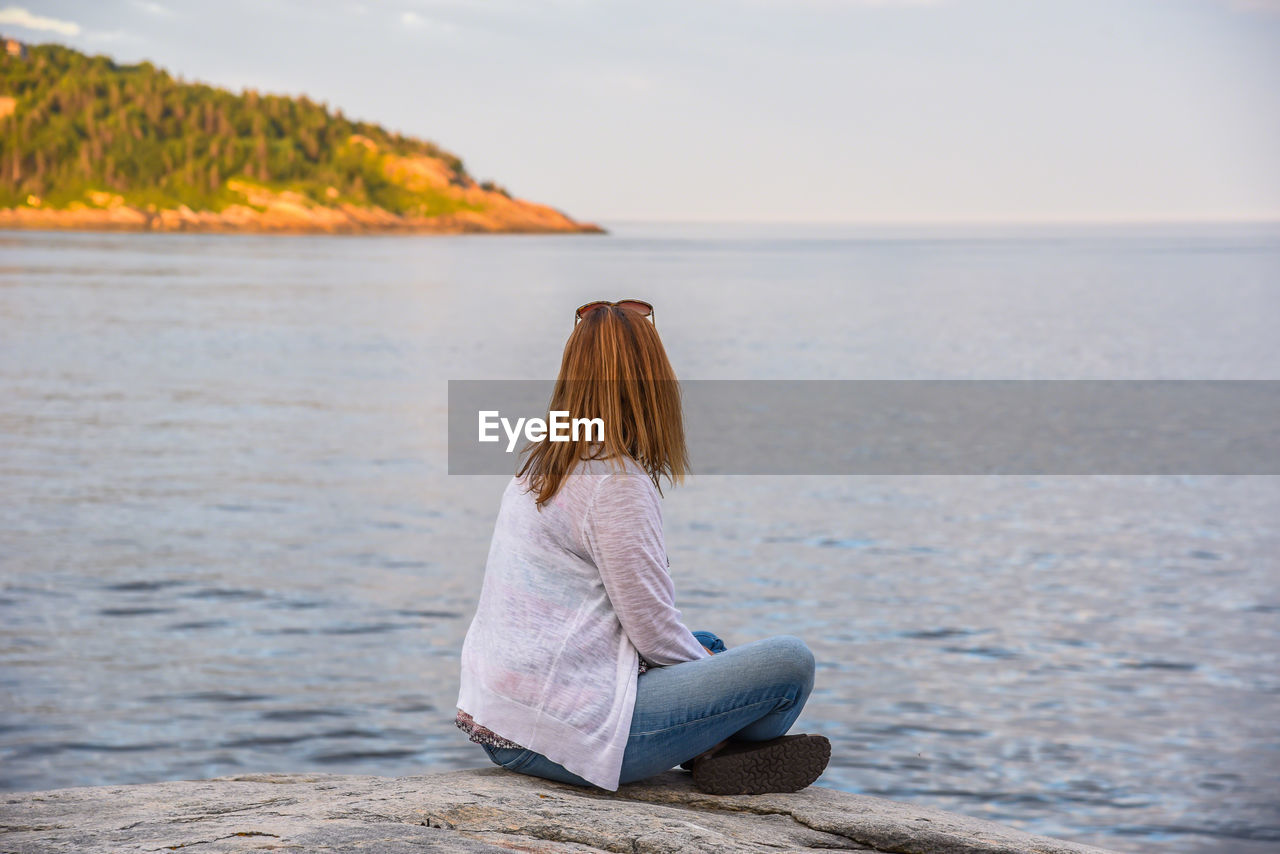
(614, 368)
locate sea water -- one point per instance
(229, 542)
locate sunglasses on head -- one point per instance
(637, 305)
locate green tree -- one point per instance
(84, 123)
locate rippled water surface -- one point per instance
(228, 542)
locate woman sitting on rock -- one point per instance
(577, 666)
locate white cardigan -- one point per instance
(571, 594)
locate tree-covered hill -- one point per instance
(78, 131)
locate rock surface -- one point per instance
(486, 810)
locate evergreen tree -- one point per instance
(83, 123)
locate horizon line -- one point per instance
(1264, 219)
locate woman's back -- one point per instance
(573, 593)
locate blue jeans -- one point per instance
(752, 692)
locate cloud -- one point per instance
(16, 16)
(414, 21)
(153, 8)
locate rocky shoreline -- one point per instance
(334, 221)
(486, 810)
(291, 213)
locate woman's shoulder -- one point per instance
(624, 490)
(590, 482)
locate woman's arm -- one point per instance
(623, 533)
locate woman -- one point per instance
(576, 666)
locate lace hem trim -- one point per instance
(483, 735)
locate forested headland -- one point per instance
(86, 140)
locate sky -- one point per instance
(805, 111)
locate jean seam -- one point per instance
(707, 718)
(521, 760)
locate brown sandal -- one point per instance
(785, 764)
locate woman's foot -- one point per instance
(785, 764)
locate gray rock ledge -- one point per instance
(488, 810)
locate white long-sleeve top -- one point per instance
(572, 594)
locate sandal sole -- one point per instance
(786, 764)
